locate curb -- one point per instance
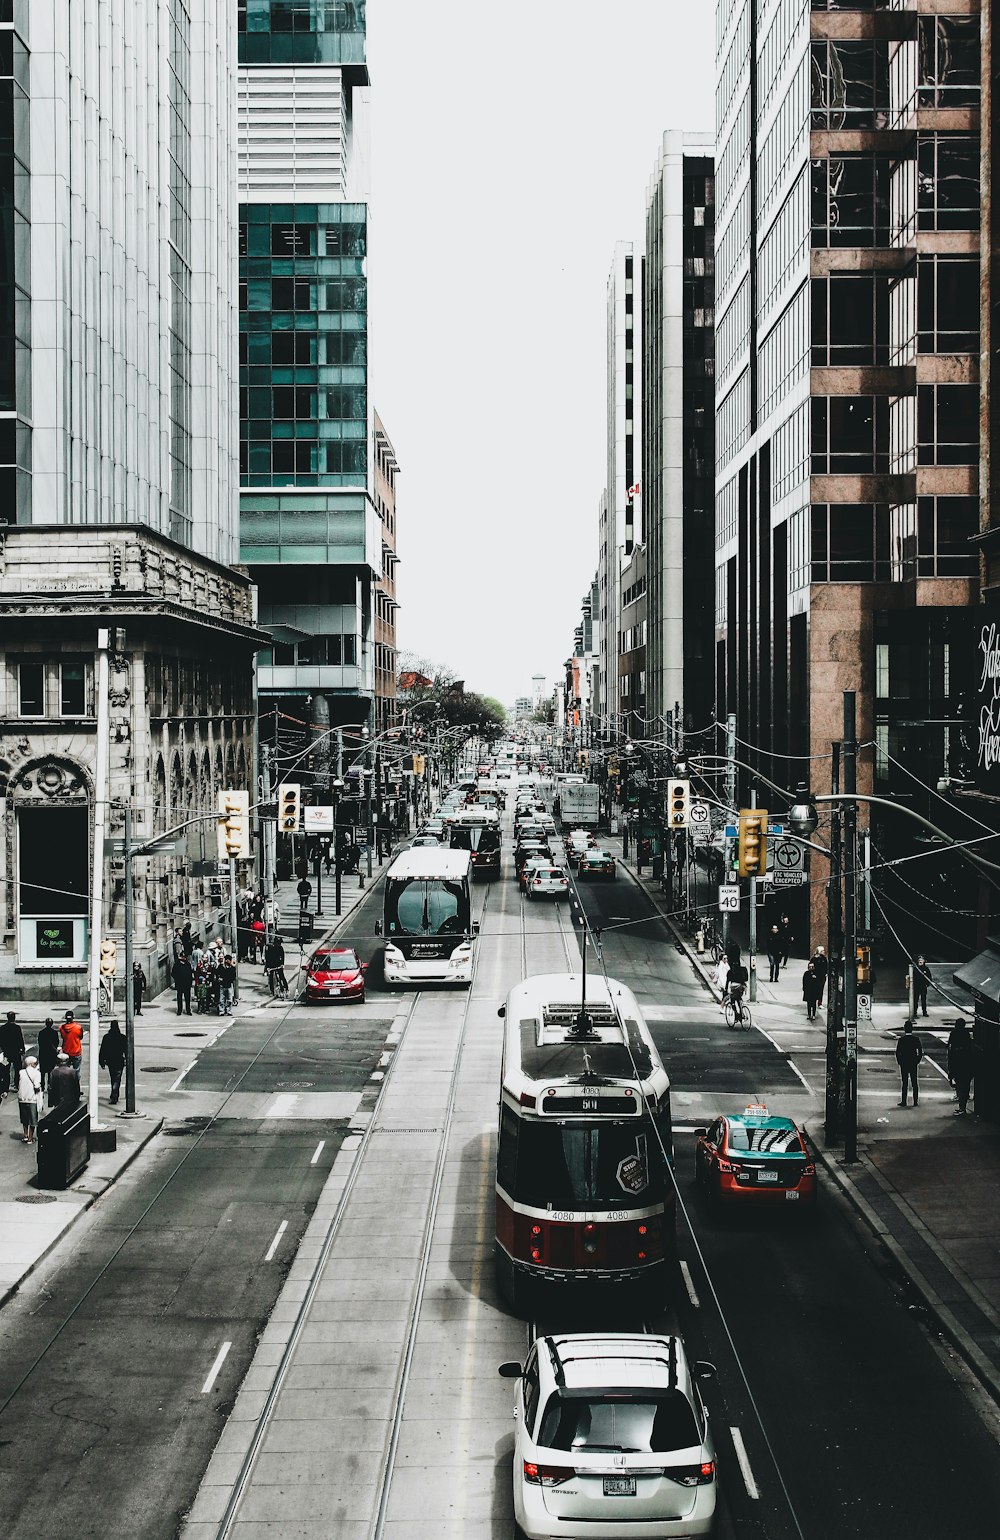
(961, 1339)
(92, 1198)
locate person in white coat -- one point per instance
(29, 1090)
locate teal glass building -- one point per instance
(309, 528)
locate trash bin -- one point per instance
(305, 925)
(62, 1137)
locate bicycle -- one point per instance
(713, 942)
(738, 1013)
(278, 983)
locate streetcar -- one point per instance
(584, 1189)
(477, 830)
(430, 935)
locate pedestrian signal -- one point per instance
(678, 800)
(864, 956)
(234, 824)
(109, 958)
(753, 842)
(289, 798)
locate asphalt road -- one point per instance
(852, 1413)
(105, 1422)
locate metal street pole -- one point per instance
(368, 813)
(730, 807)
(102, 755)
(233, 925)
(129, 995)
(850, 930)
(835, 946)
(336, 851)
(753, 923)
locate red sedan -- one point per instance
(335, 973)
(753, 1158)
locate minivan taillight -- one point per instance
(547, 1475)
(692, 1475)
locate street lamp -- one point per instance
(336, 789)
(367, 774)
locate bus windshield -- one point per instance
(426, 907)
(575, 1166)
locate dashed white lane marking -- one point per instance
(269, 1253)
(213, 1373)
(689, 1285)
(741, 1454)
(317, 1152)
(793, 1066)
(183, 1072)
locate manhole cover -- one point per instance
(190, 1034)
(158, 1069)
(37, 1197)
(294, 1085)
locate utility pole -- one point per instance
(753, 923)
(850, 930)
(103, 750)
(233, 924)
(731, 809)
(835, 948)
(129, 995)
(267, 827)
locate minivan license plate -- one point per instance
(619, 1486)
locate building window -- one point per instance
(948, 181)
(850, 85)
(850, 320)
(949, 61)
(948, 424)
(849, 435)
(850, 543)
(72, 684)
(31, 689)
(948, 304)
(850, 201)
(945, 526)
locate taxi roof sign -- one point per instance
(755, 1110)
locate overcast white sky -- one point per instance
(511, 146)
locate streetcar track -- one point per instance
(263, 1420)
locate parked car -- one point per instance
(611, 1437)
(335, 973)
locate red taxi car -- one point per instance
(335, 973)
(754, 1158)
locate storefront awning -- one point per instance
(981, 975)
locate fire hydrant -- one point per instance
(699, 940)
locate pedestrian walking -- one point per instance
(785, 932)
(226, 974)
(921, 981)
(821, 967)
(774, 946)
(29, 1097)
(112, 1056)
(64, 1083)
(12, 1044)
(909, 1052)
(71, 1036)
(811, 990)
(182, 977)
(961, 1064)
(139, 986)
(48, 1047)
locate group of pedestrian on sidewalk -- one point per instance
(961, 1064)
(211, 973)
(52, 1071)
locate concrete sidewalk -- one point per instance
(925, 1182)
(32, 1221)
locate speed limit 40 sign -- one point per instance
(729, 899)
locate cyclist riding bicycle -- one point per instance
(737, 984)
(274, 962)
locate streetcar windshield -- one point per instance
(609, 1165)
(474, 837)
(426, 907)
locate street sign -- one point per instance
(729, 899)
(699, 815)
(731, 831)
(788, 862)
(317, 820)
(864, 1007)
(116, 847)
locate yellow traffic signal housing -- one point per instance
(109, 958)
(289, 800)
(864, 956)
(419, 764)
(678, 801)
(753, 842)
(234, 824)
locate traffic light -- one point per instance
(234, 824)
(753, 842)
(109, 958)
(289, 796)
(678, 797)
(419, 764)
(864, 955)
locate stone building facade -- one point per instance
(183, 639)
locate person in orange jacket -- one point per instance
(71, 1033)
